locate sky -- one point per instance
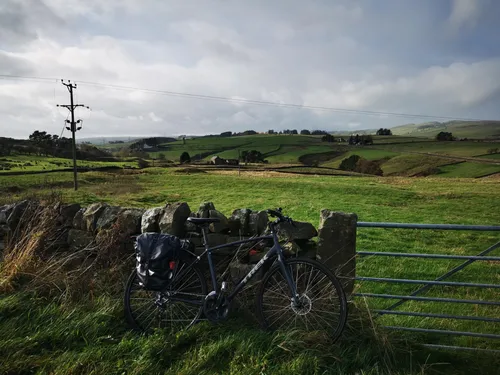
(426, 57)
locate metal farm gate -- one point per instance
(396, 300)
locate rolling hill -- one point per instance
(461, 129)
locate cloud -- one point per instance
(393, 57)
(465, 13)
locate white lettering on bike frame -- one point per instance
(257, 267)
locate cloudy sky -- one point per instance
(438, 58)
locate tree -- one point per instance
(305, 132)
(294, 131)
(6, 145)
(226, 134)
(271, 131)
(249, 132)
(185, 158)
(319, 132)
(328, 138)
(444, 136)
(252, 156)
(349, 164)
(366, 139)
(383, 131)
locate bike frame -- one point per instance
(275, 250)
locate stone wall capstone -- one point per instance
(173, 219)
(337, 245)
(150, 219)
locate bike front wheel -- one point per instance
(321, 304)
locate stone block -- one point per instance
(173, 219)
(130, 220)
(257, 222)
(92, 214)
(297, 231)
(337, 245)
(204, 210)
(79, 239)
(151, 219)
(242, 215)
(222, 226)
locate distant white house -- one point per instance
(146, 146)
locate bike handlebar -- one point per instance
(280, 217)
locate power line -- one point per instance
(253, 102)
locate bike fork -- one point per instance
(289, 280)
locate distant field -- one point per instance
(409, 165)
(490, 156)
(468, 169)
(383, 139)
(367, 153)
(25, 163)
(469, 129)
(276, 148)
(448, 148)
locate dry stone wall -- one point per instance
(334, 244)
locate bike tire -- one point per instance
(143, 312)
(276, 310)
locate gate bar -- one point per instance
(427, 299)
(421, 255)
(440, 316)
(451, 347)
(409, 281)
(446, 275)
(442, 331)
(368, 224)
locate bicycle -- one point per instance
(294, 293)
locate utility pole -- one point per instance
(71, 107)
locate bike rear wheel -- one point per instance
(322, 304)
(177, 307)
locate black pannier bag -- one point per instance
(156, 254)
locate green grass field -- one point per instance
(367, 153)
(445, 148)
(469, 169)
(44, 335)
(31, 163)
(490, 156)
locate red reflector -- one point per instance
(253, 252)
(172, 265)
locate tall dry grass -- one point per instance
(34, 260)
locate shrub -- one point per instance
(305, 132)
(368, 167)
(185, 158)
